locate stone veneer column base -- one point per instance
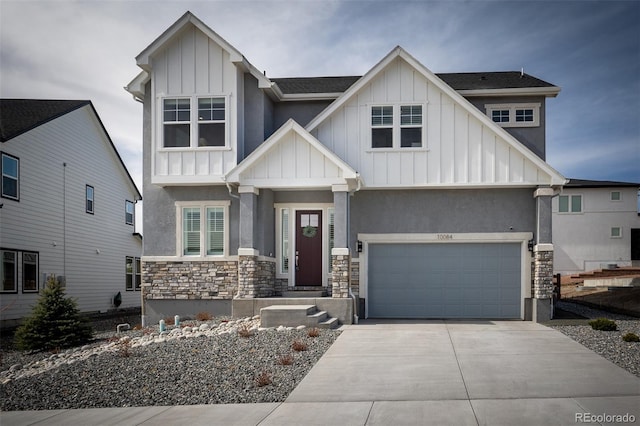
(542, 288)
(340, 273)
(256, 278)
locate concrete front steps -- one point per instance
(295, 315)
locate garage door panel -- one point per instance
(454, 280)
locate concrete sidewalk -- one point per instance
(420, 373)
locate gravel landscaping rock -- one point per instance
(608, 344)
(184, 366)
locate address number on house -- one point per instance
(445, 236)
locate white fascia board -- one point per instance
(555, 177)
(255, 156)
(144, 58)
(187, 180)
(136, 86)
(549, 92)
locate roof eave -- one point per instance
(549, 92)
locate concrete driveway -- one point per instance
(419, 373)
(459, 373)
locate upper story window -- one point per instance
(89, 192)
(570, 204)
(514, 115)
(394, 126)
(10, 177)
(182, 129)
(616, 196)
(177, 122)
(129, 212)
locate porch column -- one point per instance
(247, 253)
(340, 254)
(542, 289)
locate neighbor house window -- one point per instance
(129, 272)
(570, 203)
(29, 272)
(203, 228)
(403, 123)
(89, 196)
(514, 115)
(132, 273)
(616, 196)
(138, 274)
(177, 122)
(10, 177)
(9, 271)
(205, 127)
(129, 212)
(616, 232)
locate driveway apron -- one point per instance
(465, 372)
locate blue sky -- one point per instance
(591, 49)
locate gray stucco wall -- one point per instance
(266, 224)
(254, 117)
(532, 137)
(303, 197)
(301, 111)
(442, 211)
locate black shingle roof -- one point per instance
(583, 183)
(458, 81)
(21, 115)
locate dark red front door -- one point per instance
(308, 248)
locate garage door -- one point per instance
(456, 280)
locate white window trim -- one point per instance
(512, 114)
(202, 205)
(615, 236)
(611, 196)
(193, 123)
(570, 196)
(17, 178)
(293, 208)
(16, 264)
(396, 126)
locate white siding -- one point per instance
(583, 241)
(65, 236)
(292, 162)
(459, 149)
(193, 64)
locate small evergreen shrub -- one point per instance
(603, 324)
(631, 337)
(55, 322)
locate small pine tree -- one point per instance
(55, 322)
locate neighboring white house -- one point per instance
(67, 208)
(596, 223)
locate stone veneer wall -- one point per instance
(190, 280)
(340, 275)
(542, 274)
(256, 278)
(355, 278)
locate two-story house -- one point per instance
(596, 224)
(67, 209)
(424, 195)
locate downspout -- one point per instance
(231, 194)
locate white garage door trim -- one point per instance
(449, 238)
